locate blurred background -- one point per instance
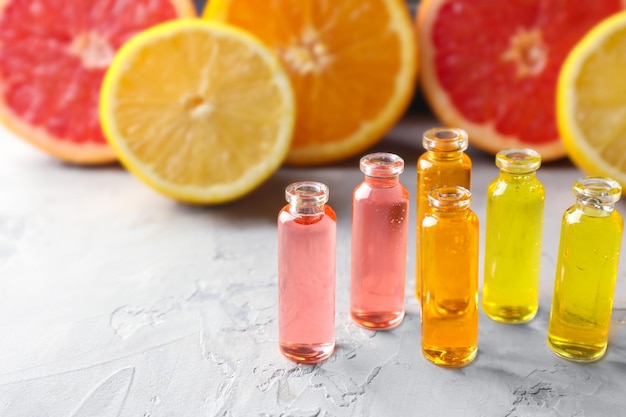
(200, 4)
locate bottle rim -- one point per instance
(445, 139)
(382, 165)
(518, 160)
(306, 194)
(450, 197)
(597, 190)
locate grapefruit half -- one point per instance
(53, 57)
(491, 67)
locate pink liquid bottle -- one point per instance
(380, 207)
(307, 230)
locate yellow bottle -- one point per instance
(443, 163)
(513, 233)
(449, 303)
(591, 236)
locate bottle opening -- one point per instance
(307, 197)
(382, 165)
(518, 160)
(450, 197)
(445, 139)
(601, 192)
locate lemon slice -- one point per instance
(591, 100)
(200, 111)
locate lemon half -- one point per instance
(200, 111)
(591, 100)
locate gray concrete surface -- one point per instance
(115, 301)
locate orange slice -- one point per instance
(52, 60)
(591, 101)
(490, 67)
(199, 111)
(352, 65)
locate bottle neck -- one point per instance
(299, 210)
(516, 176)
(450, 212)
(382, 182)
(593, 208)
(437, 155)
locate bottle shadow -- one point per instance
(264, 203)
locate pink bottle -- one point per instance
(307, 230)
(380, 208)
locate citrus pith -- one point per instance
(352, 65)
(491, 67)
(591, 101)
(53, 56)
(199, 111)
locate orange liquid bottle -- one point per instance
(443, 163)
(380, 208)
(449, 303)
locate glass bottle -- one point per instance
(307, 231)
(449, 303)
(380, 206)
(514, 227)
(443, 163)
(591, 236)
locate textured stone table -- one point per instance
(115, 301)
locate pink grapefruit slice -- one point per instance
(53, 56)
(491, 67)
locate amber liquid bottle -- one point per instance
(449, 253)
(582, 302)
(443, 163)
(380, 208)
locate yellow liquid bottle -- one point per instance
(591, 236)
(443, 163)
(449, 303)
(513, 232)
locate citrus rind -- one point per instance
(597, 146)
(79, 154)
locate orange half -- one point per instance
(352, 65)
